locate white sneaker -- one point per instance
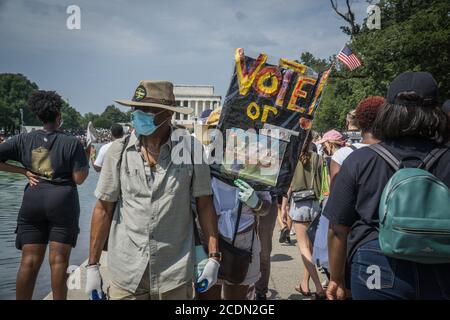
(292, 233)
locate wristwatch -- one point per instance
(217, 255)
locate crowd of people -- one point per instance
(174, 231)
(102, 136)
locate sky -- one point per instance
(186, 42)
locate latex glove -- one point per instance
(247, 194)
(209, 274)
(94, 283)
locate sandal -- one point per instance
(303, 293)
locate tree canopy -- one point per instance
(15, 90)
(414, 36)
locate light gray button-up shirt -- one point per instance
(153, 222)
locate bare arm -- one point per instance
(208, 221)
(12, 168)
(80, 168)
(32, 178)
(334, 170)
(100, 225)
(337, 253)
(288, 194)
(80, 176)
(93, 157)
(96, 168)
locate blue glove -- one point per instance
(247, 194)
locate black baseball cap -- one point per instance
(421, 83)
(446, 106)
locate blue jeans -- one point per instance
(375, 276)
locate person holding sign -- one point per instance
(238, 207)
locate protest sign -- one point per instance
(265, 117)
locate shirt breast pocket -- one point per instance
(131, 182)
(179, 179)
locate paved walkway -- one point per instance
(287, 270)
(286, 273)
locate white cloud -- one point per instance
(121, 41)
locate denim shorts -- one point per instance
(375, 276)
(304, 211)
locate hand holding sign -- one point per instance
(247, 194)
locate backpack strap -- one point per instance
(433, 156)
(236, 226)
(197, 238)
(353, 147)
(386, 155)
(236, 229)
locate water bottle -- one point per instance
(201, 259)
(96, 296)
(201, 286)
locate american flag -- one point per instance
(347, 57)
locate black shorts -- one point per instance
(49, 212)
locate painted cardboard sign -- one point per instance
(266, 114)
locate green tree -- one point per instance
(105, 120)
(15, 89)
(89, 117)
(102, 122)
(319, 65)
(114, 115)
(72, 119)
(414, 35)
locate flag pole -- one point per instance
(336, 58)
(334, 62)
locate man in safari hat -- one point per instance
(144, 205)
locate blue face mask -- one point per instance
(144, 123)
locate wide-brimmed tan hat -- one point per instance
(157, 94)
